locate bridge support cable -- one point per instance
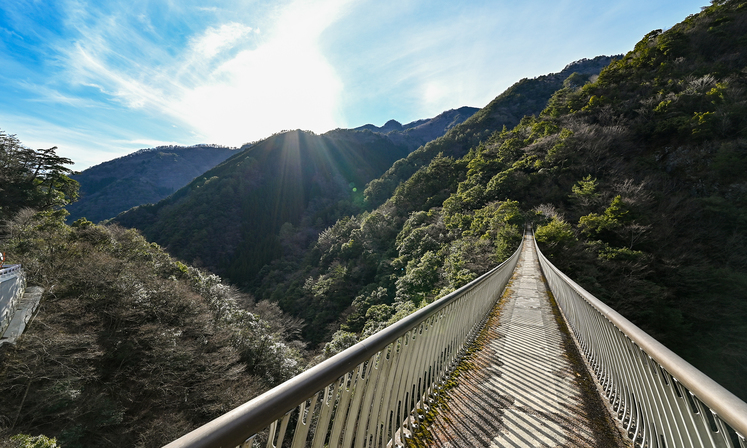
(367, 395)
(659, 399)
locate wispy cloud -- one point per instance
(214, 40)
(227, 84)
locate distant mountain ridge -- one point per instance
(232, 219)
(145, 176)
(149, 175)
(420, 132)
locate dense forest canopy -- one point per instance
(129, 347)
(233, 218)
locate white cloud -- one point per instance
(285, 83)
(215, 40)
(228, 84)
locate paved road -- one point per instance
(523, 391)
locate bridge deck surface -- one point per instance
(524, 390)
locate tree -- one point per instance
(32, 178)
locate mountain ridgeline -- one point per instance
(229, 219)
(143, 177)
(415, 134)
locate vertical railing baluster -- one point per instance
(372, 401)
(305, 418)
(725, 437)
(329, 396)
(346, 390)
(654, 406)
(364, 373)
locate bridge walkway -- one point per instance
(527, 385)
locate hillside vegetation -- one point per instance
(129, 347)
(230, 218)
(526, 97)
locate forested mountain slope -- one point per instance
(232, 219)
(636, 182)
(526, 97)
(223, 220)
(128, 346)
(143, 177)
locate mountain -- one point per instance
(129, 347)
(635, 181)
(149, 175)
(524, 98)
(420, 132)
(232, 218)
(143, 177)
(247, 215)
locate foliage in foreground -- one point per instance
(129, 347)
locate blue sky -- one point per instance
(101, 79)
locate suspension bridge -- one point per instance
(520, 357)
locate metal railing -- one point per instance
(658, 398)
(365, 396)
(12, 285)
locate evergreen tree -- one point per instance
(32, 178)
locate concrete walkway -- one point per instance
(524, 391)
(22, 314)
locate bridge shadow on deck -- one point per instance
(479, 415)
(524, 388)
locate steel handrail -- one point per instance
(367, 363)
(9, 269)
(647, 399)
(12, 286)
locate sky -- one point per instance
(104, 78)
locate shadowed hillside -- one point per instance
(143, 177)
(230, 218)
